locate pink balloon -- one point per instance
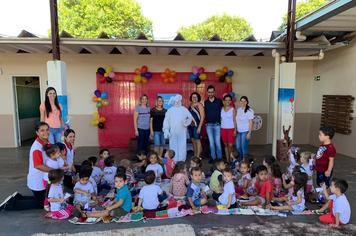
(112, 75)
(195, 69)
(201, 70)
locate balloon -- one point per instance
(201, 70)
(171, 80)
(98, 99)
(99, 104)
(101, 125)
(291, 100)
(203, 77)
(222, 79)
(228, 79)
(219, 73)
(225, 69)
(193, 77)
(142, 74)
(195, 69)
(97, 93)
(95, 98)
(197, 81)
(101, 71)
(95, 122)
(230, 73)
(105, 103)
(137, 71)
(167, 71)
(173, 73)
(148, 75)
(104, 95)
(137, 79)
(232, 94)
(144, 69)
(102, 80)
(106, 74)
(112, 75)
(166, 80)
(164, 76)
(108, 69)
(109, 80)
(102, 119)
(95, 115)
(144, 80)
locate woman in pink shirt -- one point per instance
(51, 113)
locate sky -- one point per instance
(167, 15)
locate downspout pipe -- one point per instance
(276, 56)
(319, 57)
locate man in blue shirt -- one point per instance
(212, 108)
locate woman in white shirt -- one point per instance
(244, 119)
(228, 126)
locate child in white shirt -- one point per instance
(155, 167)
(97, 172)
(109, 173)
(228, 197)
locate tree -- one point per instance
(88, 18)
(229, 28)
(303, 8)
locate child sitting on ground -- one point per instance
(139, 166)
(216, 180)
(83, 192)
(103, 154)
(88, 165)
(179, 180)
(129, 172)
(306, 166)
(97, 173)
(245, 179)
(268, 162)
(196, 197)
(296, 200)
(337, 203)
(169, 163)
(196, 162)
(123, 200)
(293, 157)
(109, 172)
(264, 188)
(276, 179)
(151, 194)
(58, 206)
(325, 156)
(155, 167)
(228, 197)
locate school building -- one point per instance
(325, 56)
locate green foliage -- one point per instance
(229, 28)
(88, 18)
(302, 8)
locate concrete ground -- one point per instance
(13, 172)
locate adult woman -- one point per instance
(197, 110)
(142, 123)
(228, 126)
(51, 113)
(156, 123)
(244, 118)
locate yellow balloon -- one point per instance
(228, 80)
(108, 69)
(95, 122)
(106, 74)
(95, 115)
(203, 76)
(137, 79)
(219, 73)
(98, 100)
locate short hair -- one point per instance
(340, 184)
(197, 161)
(195, 93)
(210, 87)
(150, 177)
(121, 175)
(86, 163)
(55, 175)
(260, 168)
(61, 146)
(103, 150)
(125, 163)
(228, 170)
(121, 169)
(172, 152)
(109, 161)
(269, 159)
(40, 124)
(93, 159)
(50, 149)
(196, 168)
(328, 131)
(218, 162)
(84, 172)
(68, 131)
(227, 96)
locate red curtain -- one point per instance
(124, 95)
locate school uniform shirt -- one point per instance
(109, 175)
(157, 168)
(149, 195)
(37, 157)
(70, 153)
(242, 119)
(243, 179)
(228, 189)
(322, 157)
(93, 183)
(96, 174)
(342, 206)
(81, 198)
(193, 191)
(55, 191)
(264, 188)
(124, 195)
(308, 169)
(300, 206)
(53, 164)
(215, 179)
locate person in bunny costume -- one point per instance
(175, 124)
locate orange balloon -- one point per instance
(173, 73)
(171, 80)
(95, 99)
(225, 69)
(105, 103)
(219, 73)
(137, 71)
(102, 119)
(164, 75)
(166, 80)
(144, 80)
(167, 71)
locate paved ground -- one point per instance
(13, 171)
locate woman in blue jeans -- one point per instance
(244, 117)
(51, 113)
(142, 124)
(156, 123)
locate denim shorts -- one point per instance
(158, 138)
(193, 132)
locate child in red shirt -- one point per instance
(324, 158)
(264, 189)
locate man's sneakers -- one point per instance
(6, 201)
